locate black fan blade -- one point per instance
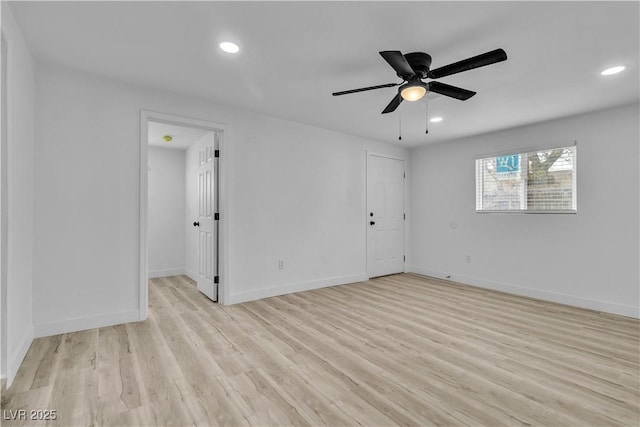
(488, 58)
(452, 91)
(362, 89)
(398, 62)
(395, 102)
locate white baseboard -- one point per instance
(295, 287)
(604, 306)
(190, 274)
(166, 273)
(84, 323)
(15, 360)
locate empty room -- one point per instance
(332, 213)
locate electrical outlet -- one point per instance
(281, 264)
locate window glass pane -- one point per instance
(539, 181)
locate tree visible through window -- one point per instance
(539, 181)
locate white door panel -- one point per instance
(385, 215)
(206, 223)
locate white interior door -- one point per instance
(385, 215)
(207, 221)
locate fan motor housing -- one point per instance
(420, 62)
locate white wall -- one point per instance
(20, 193)
(590, 259)
(293, 192)
(166, 204)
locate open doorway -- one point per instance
(180, 215)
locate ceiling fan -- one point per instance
(412, 68)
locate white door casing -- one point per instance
(4, 210)
(206, 223)
(385, 215)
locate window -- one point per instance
(542, 181)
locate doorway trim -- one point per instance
(145, 117)
(4, 211)
(366, 205)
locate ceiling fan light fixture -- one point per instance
(413, 91)
(413, 67)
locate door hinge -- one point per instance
(404, 258)
(404, 175)
(216, 153)
(216, 279)
(404, 216)
(216, 216)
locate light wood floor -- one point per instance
(395, 350)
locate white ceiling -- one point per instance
(295, 54)
(183, 137)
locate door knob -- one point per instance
(196, 224)
(372, 223)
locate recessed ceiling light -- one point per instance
(435, 119)
(229, 47)
(613, 70)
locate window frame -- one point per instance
(528, 150)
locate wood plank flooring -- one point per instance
(397, 350)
